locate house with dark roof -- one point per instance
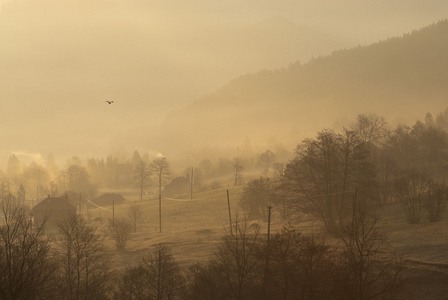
(109, 199)
(54, 210)
(178, 187)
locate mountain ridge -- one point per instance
(397, 77)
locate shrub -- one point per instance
(120, 231)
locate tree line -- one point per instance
(383, 165)
(41, 178)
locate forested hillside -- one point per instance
(398, 77)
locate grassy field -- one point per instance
(424, 249)
(193, 228)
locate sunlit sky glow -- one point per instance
(62, 59)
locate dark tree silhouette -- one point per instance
(120, 232)
(158, 276)
(27, 268)
(84, 272)
(367, 266)
(142, 175)
(256, 197)
(324, 174)
(412, 189)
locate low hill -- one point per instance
(399, 78)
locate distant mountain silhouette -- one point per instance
(399, 78)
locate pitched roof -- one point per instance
(109, 198)
(60, 204)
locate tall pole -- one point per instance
(230, 215)
(269, 224)
(113, 212)
(80, 205)
(268, 253)
(160, 201)
(191, 184)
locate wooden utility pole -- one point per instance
(230, 215)
(113, 212)
(268, 253)
(191, 184)
(160, 166)
(269, 224)
(160, 203)
(80, 205)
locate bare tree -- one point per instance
(386, 169)
(205, 281)
(160, 167)
(419, 146)
(236, 259)
(412, 190)
(238, 171)
(299, 266)
(84, 271)
(325, 173)
(284, 200)
(370, 128)
(142, 177)
(135, 215)
(429, 120)
(256, 197)
(78, 178)
(436, 201)
(158, 276)
(27, 268)
(266, 160)
(5, 186)
(36, 177)
(368, 268)
(120, 232)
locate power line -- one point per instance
(181, 200)
(96, 204)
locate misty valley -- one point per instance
(353, 214)
(218, 150)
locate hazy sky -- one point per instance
(61, 59)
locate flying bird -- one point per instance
(109, 102)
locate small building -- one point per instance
(54, 210)
(178, 187)
(109, 199)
